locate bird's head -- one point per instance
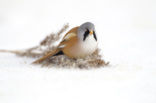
(85, 30)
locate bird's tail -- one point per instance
(50, 54)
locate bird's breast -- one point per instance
(81, 48)
(89, 45)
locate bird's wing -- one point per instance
(72, 33)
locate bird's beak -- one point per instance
(91, 32)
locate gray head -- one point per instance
(85, 29)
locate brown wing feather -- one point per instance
(73, 30)
(67, 37)
(70, 34)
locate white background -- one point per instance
(126, 31)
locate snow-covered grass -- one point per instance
(127, 36)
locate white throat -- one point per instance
(89, 45)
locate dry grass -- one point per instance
(47, 44)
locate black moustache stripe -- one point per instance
(94, 35)
(85, 35)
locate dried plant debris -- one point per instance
(47, 44)
(92, 61)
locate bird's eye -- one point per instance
(86, 34)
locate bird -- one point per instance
(78, 42)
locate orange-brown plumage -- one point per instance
(72, 45)
(69, 42)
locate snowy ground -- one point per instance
(126, 32)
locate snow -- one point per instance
(126, 32)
